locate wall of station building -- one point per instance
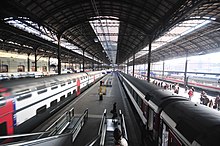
(14, 62)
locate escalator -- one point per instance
(62, 132)
(105, 135)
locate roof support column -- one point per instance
(185, 73)
(149, 62)
(127, 65)
(48, 64)
(93, 62)
(133, 63)
(35, 59)
(163, 69)
(58, 55)
(83, 60)
(28, 63)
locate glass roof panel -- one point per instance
(107, 32)
(177, 31)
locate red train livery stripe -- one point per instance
(78, 87)
(6, 116)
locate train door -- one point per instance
(6, 117)
(164, 134)
(150, 119)
(77, 87)
(144, 108)
(172, 139)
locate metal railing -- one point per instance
(123, 127)
(100, 131)
(79, 125)
(60, 124)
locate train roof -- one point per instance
(163, 97)
(28, 83)
(157, 95)
(141, 85)
(195, 122)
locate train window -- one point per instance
(63, 84)
(41, 109)
(41, 87)
(52, 84)
(62, 98)
(53, 103)
(3, 127)
(21, 97)
(42, 91)
(52, 88)
(69, 82)
(81, 78)
(74, 91)
(74, 80)
(2, 101)
(24, 91)
(68, 94)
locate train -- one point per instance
(25, 103)
(169, 119)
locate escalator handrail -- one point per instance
(23, 135)
(102, 121)
(123, 127)
(94, 140)
(78, 123)
(36, 141)
(99, 136)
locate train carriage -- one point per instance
(171, 119)
(187, 123)
(24, 103)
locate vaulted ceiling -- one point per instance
(141, 22)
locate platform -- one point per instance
(90, 99)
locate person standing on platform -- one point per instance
(217, 102)
(114, 112)
(202, 97)
(190, 93)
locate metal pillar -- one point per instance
(35, 59)
(58, 56)
(93, 63)
(28, 63)
(163, 69)
(48, 64)
(83, 60)
(127, 65)
(133, 63)
(149, 62)
(185, 73)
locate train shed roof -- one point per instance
(141, 22)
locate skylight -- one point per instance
(177, 31)
(25, 24)
(107, 32)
